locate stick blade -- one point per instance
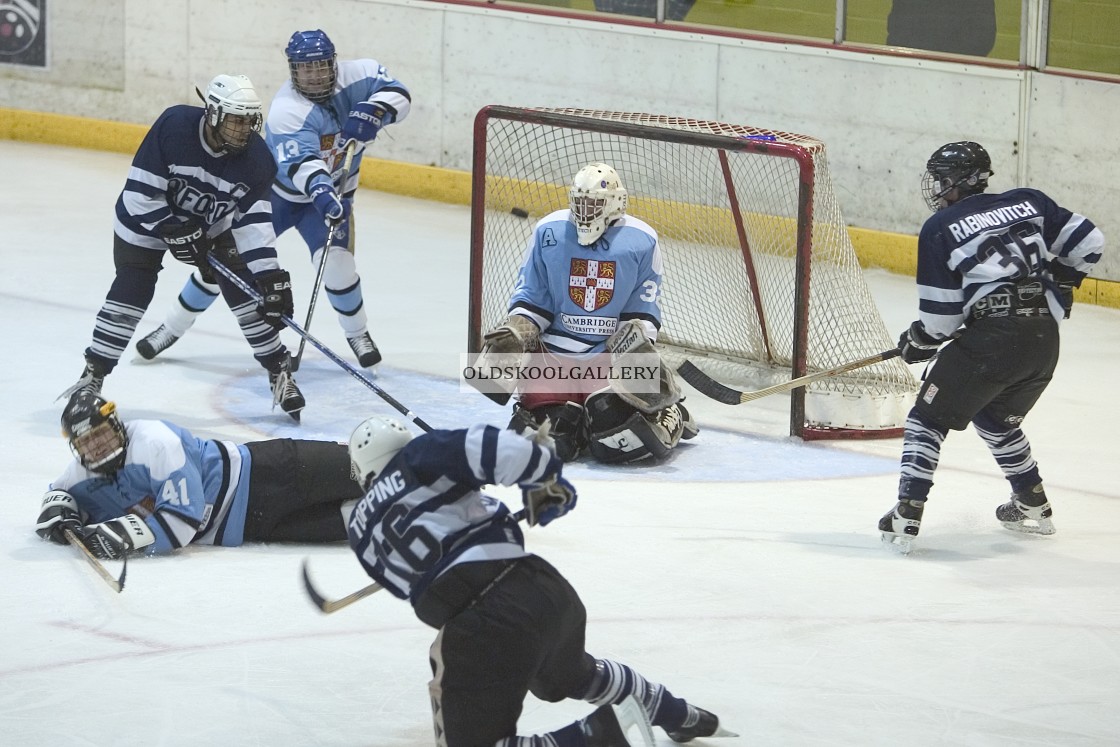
(313, 594)
(708, 386)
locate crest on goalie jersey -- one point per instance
(591, 283)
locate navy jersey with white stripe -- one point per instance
(425, 512)
(304, 136)
(982, 242)
(186, 489)
(578, 294)
(175, 173)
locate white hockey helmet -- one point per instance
(233, 111)
(372, 445)
(597, 199)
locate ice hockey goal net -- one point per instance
(761, 282)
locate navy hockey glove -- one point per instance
(111, 540)
(333, 208)
(916, 345)
(186, 240)
(276, 297)
(1065, 295)
(365, 121)
(548, 500)
(59, 511)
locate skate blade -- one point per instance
(898, 542)
(721, 732)
(1042, 526)
(634, 722)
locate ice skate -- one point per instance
(1027, 512)
(900, 525)
(622, 725)
(706, 726)
(91, 380)
(156, 342)
(284, 390)
(365, 350)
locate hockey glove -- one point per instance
(326, 200)
(548, 500)
(276, 297)
(365, 121)
(59, 511)
(111, 540)
(1065, 295)
(186, 240)
(916, 345)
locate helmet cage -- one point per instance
(312, 64)
(963, 166)
(596, 199)
(96, 434)
(233, 130)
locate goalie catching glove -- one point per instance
(502, 349)
(111, 540)
(59, 512)
(547, 500)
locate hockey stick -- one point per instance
(327, 606)
(116, 584)
(709, 387)
(350, 147)
(256, 296)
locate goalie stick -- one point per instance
(116, 584)
(256, 296)
(709, 387)
(327, 606)
(350, 147)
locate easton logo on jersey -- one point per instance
(591, 283)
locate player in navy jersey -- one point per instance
(590, 284)
(151, 486)
(996, 274)
(508, 622)
(325, 104)
(200, 182)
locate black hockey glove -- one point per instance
(186, 240)
(548, 500)
(916, 345)
(111, 540)
(276, 297)
(59, 511)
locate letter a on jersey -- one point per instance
(591, 283)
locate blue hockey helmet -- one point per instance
(312, 64)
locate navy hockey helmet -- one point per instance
(233, 111)
(964, 166)
(96, 434)
(312, 64)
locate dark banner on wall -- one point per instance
(23, 32)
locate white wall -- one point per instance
(881, 116)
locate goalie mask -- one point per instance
(96, 434)
(372, 445)
(596, 199)
(964, 166)
(312, 65)
(233, 112)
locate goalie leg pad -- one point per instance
(620, 434)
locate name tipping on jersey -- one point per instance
(973, 224)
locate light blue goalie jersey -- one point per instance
(577, 294)
(304, 136)
(186, 489)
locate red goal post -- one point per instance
(761, 282)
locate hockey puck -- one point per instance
(520, 213)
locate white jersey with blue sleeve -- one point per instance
(425, 513)
(578, 294)
(186, 489)
(304, 136)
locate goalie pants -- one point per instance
(521, 631)
(296, 491)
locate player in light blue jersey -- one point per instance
(325, 104)
(200, 181)
(590, 284)
(151, 486)
(996, 274)
(508, 622)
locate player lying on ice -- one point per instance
(588, 290)
(508, 622)
(151, 486)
